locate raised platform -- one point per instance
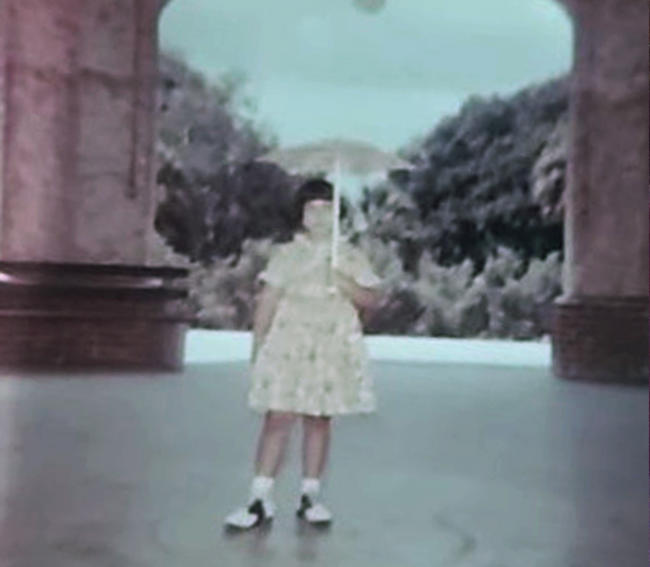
(70, 316)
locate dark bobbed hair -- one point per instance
(312, 190)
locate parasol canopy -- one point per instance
(334, 158)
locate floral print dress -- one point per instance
(313, 359)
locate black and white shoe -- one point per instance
(314, 513)
(257, 513)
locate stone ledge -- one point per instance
(601, 339)
(67, 316)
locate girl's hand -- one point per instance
(361, 297)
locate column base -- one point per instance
(83, 316)
(601, 339)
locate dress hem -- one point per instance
(264, 408)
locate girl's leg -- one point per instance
(270, 453)
(273, 442)
(316, 442)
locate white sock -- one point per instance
(310, 487)
(261, 488)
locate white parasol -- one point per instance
(335, 157)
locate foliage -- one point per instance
(448, 301)
(472, 178)
(469, 243)
(215, 194)
(222, 293)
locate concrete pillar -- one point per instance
(77, 106)
(77, 84)
(601, 321)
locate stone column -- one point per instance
(77, 106)
(77, 91)
(601, 321)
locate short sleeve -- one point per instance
(275, 273)
(356, 265)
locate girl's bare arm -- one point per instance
(266, 305)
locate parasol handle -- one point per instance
(336, 209)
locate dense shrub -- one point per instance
(441, 301)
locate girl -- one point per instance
(308, 357)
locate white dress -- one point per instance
(313, 359)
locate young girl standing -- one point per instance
(309, 359)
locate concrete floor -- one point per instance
(463, 466)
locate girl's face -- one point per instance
(317, 217)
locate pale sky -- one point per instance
(322, 68)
